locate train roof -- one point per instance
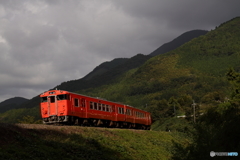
(65, 92)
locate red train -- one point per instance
(58, 106)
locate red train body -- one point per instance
(58, 106)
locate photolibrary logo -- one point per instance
(212, 153)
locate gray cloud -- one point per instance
(43, 43)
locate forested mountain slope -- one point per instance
(194, 71)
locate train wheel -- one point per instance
(134, 125)
(99, 123)
(129, 125)
(85, 122)
(111, 124)
(76, 122)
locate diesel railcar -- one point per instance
(58, 106)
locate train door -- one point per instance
(134, 116)
(114, 113)
(52, 105)
(83, 107)
(149, 119)
(75, 106)
(120, 113)
(128, 115)
(124, 113)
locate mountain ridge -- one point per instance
(11, 103)
(178, 41)
(104, 67)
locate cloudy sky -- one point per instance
(46, 42)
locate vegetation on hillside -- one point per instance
(217, 130)
(75, 142)
(193, 72)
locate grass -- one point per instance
(37, 141)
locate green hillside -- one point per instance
(75, 142)
(195, 71)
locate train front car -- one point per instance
(54, 105)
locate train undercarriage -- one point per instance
(72, 120)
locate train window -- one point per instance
(76, 102)
(95, 106)
(120, 110)
(110, 108)
(62, 97)
(103, 107)
(99, 106)
(128, 112)
(91, 105)
(83, 102)
(44, 99)
(52, 99)
(107, 108)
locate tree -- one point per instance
(218, 129)
(234, 78)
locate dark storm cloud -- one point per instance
(43, 43)
(183, 13)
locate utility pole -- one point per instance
(194, 115)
